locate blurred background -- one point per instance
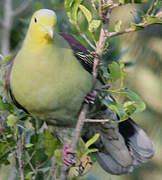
(142, 50)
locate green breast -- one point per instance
(50, 83)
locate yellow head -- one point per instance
(41, 27)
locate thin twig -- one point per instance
(97, 120)
(29, 162)
(87, 40)
(113, 34)
(21, 9)
(19, 157)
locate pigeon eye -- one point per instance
(35, 20)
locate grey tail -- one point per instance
(139, 145)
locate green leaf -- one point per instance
(129, 107)
(72, 9)
(9, 135)
(119, 110)
(68, 4)
(114, 71)
(139, 104)
(29, 175)
(104, 73)
(107, 102)
(88, 151)
(122, 71)
(94, 25)
(50, 142)
(29, 145)
(86, 13)
(58, 156)
(93, 157)
(80, 148)
(136, 27)
(118, 25)
(6, 59)
(2, 105)
(92, 140)
(153, 20)
(158, 4)
(12, 120)
(4, 152)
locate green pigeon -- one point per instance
(50, 77)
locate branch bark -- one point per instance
(87, 40)
(97, 120)
(77, 134)
(19, 152)
(128, 30)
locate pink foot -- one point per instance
(68, 155)
(90, 98)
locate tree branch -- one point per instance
(113, 34)
(87, 40)
(21, 9)
(19, 157)
(6, 28)
(7, 22)
(77, 134)
(97, 120)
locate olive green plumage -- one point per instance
(49, 82)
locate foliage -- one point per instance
(40, 150)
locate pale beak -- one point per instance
(49, 31)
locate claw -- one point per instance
(90, 98)
(68, 155)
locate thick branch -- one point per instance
(77, 134)
(21, 9)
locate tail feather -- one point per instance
(140, 145)
(110, 165)
(140, 149)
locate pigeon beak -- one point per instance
(49, 31)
